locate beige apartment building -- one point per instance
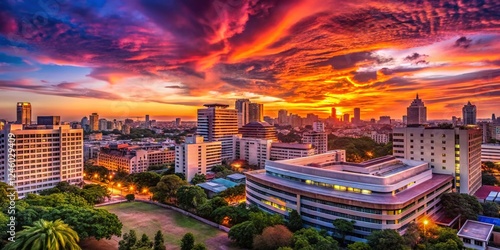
(451, 151)
(196, 156)
(44, 156)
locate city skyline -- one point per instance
(168, 59)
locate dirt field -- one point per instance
(147, 218)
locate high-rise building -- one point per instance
(384, 193)
(493, 118)
(48, 120)
(242, 105)
(253, 150)
(346, 118)
(218, 123)
(405, 119)
(196, 156)
(23, 113)
(357, 116)
(469, 114)
(126, 129)
(85, 123)
(94, 122)
(282, 117)
(416, 112)
(103, 124)
(56, 155)
(260, 130)
(334, 114)
(178, 122)
(319, 126)
(147, 123)
(319, 140)
(255, 112)
(451, 151)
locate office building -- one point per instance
(417, 112)
(85, 123)
(357, 116)
(218, 123)
(147, 122)
(260, 130)
(493, 118)
(469, 114)
(48, 120)
(379, 137)
(490, 152)
(94, 122)
(346, 118)
(453, 151)
(254, 151)
(126, 129)
(383, 193)
(23, 111)
(45, 156)
(334, 114)
(196, 156)
(255, 112)
(284, 151)
(103, 125)
(282, 117)
(178, 122)
(122, 157)
(319, 126)
(319, 140)
(405, 120)
(242, 105)
(384, 120)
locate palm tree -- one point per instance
(46, 235)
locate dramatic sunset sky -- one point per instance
(168, 57)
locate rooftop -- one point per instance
(484, 191)
(236, 176)
(292, 145)
(257, 124)
(476, 230)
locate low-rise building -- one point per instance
(383, 193)
(475, 234)
(284, 151)
(122, 157)
(253, 150)
(490, 152)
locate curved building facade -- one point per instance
(384, 193)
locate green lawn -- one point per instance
(148, 218)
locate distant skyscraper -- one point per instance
(178, 122)
(417, 112)
(493, 118)
(256, 112)
(103, 124)
(84, 121)
(334, 114)
(469, 114)
(346, 118)
(23, 113)
(357, 116)
(48, 120)
(385, 120)
(242, 105)
(94, 122)
(218, 123)
(282, 117)
(147, 124)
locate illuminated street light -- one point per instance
(425, 224)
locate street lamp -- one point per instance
(95, 176)
(425, 224)
(119, 186)
(131, 188)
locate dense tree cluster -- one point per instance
(70, 204)
(359, 149)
